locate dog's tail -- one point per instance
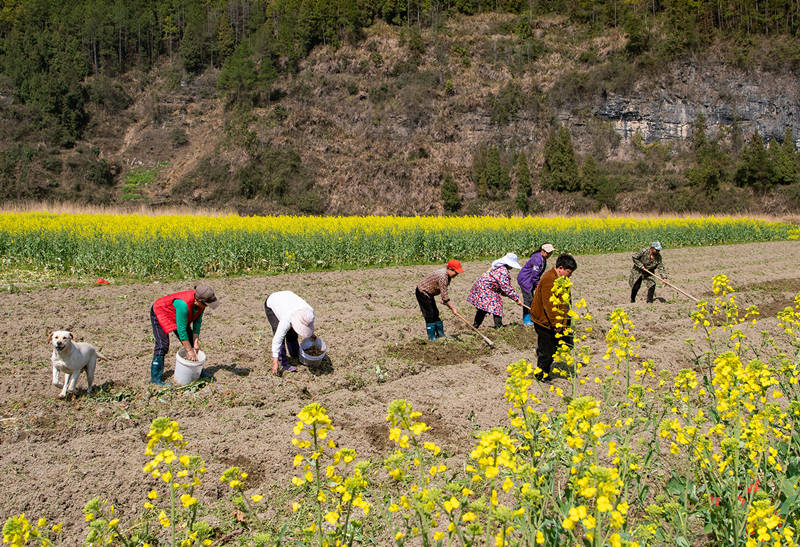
(100, 355)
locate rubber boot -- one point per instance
(431, 328)
(439, 329)
(526, 319)
(156, 370)
(651, 294)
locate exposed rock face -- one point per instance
(766, 102)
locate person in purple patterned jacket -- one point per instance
(529, 276)
(487, 289)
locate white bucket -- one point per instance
(306, 345)
(187, 371)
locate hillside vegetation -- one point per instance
(357, 107)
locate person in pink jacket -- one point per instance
(489, 287)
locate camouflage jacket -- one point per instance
(642, 259)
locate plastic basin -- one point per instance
(309, 344)
(187, 371)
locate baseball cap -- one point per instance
(205, 294)
(455, 265)
(303, 322)
(548, 248)
(656, 245)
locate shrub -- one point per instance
(505, 105)
(451, 199)
(104, 91)
(99, 172)
(178, 137)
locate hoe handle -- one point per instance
(491, 344)
(668, 284)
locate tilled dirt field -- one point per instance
(58, 454)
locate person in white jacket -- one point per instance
(292, 320)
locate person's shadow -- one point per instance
(325, 366)
(209, 372)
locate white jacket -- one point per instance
(284, 304)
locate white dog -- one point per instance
(71, 358)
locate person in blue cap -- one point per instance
(647, 259)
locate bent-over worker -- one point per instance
(434, 284)
(181, 313)
(487, 289)
(650, 259)
(290, 317)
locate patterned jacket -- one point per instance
(487, 289)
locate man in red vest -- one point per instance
(181, 313)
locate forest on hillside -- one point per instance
(61, 61)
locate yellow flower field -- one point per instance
(193, 246)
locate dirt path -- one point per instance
(56, 454)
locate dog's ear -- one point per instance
(71, 336)
(50, 336)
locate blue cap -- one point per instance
(656, 245)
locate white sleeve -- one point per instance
(280, 334)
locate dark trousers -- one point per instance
(546, 346)
(162, 338)
(527, 298)
(428, 306)
(480, 315)
(290, 341)
(651, 292)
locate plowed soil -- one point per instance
(56, 454)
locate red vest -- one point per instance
(165, 311)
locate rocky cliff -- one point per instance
(665, 109)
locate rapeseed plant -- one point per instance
(18, 531)
(332, 482)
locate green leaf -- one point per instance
(675, 486)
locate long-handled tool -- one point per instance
(491, 344)
(668, 284)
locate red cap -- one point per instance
(455, 265)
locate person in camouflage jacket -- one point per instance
(649, 259)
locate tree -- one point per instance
(784, 159)
(708, 170)
(238, 76)
(560, 170)
(450, 197)
(496, 175)
(755, 170)
(523, 182)
(225, 41)
(597, 185)
(192, 49)
(699, 138)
